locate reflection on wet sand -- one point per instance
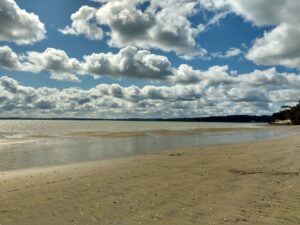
(42, 150)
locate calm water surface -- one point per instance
(28, 144)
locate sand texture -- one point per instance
(243, 184)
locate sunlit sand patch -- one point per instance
(40, 136)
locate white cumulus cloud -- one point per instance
(214, 93)
(129, 62)
(162, 25)
(279, 45)
(83, 23)
(18, 25)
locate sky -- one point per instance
(148, 58)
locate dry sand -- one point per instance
(249, 183)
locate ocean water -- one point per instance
(64, 127)
(38, 143)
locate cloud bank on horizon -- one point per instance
(148, 58)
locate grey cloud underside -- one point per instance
(19, 26)
(162, 25)
(8, 59)
(215, 92)
(280, 45)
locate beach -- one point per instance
(239, 183)
(149, 112)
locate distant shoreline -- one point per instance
(231, 118)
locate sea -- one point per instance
(44, 143)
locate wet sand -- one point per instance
(103, 134)
(246, 184)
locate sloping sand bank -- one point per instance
(249, 183)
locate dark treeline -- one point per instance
(231, 118)
(288, 113)
(234, 119)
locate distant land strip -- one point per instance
(231, 118)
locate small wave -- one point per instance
(14, 136)
(15, 142)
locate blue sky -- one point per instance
(148, 58)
